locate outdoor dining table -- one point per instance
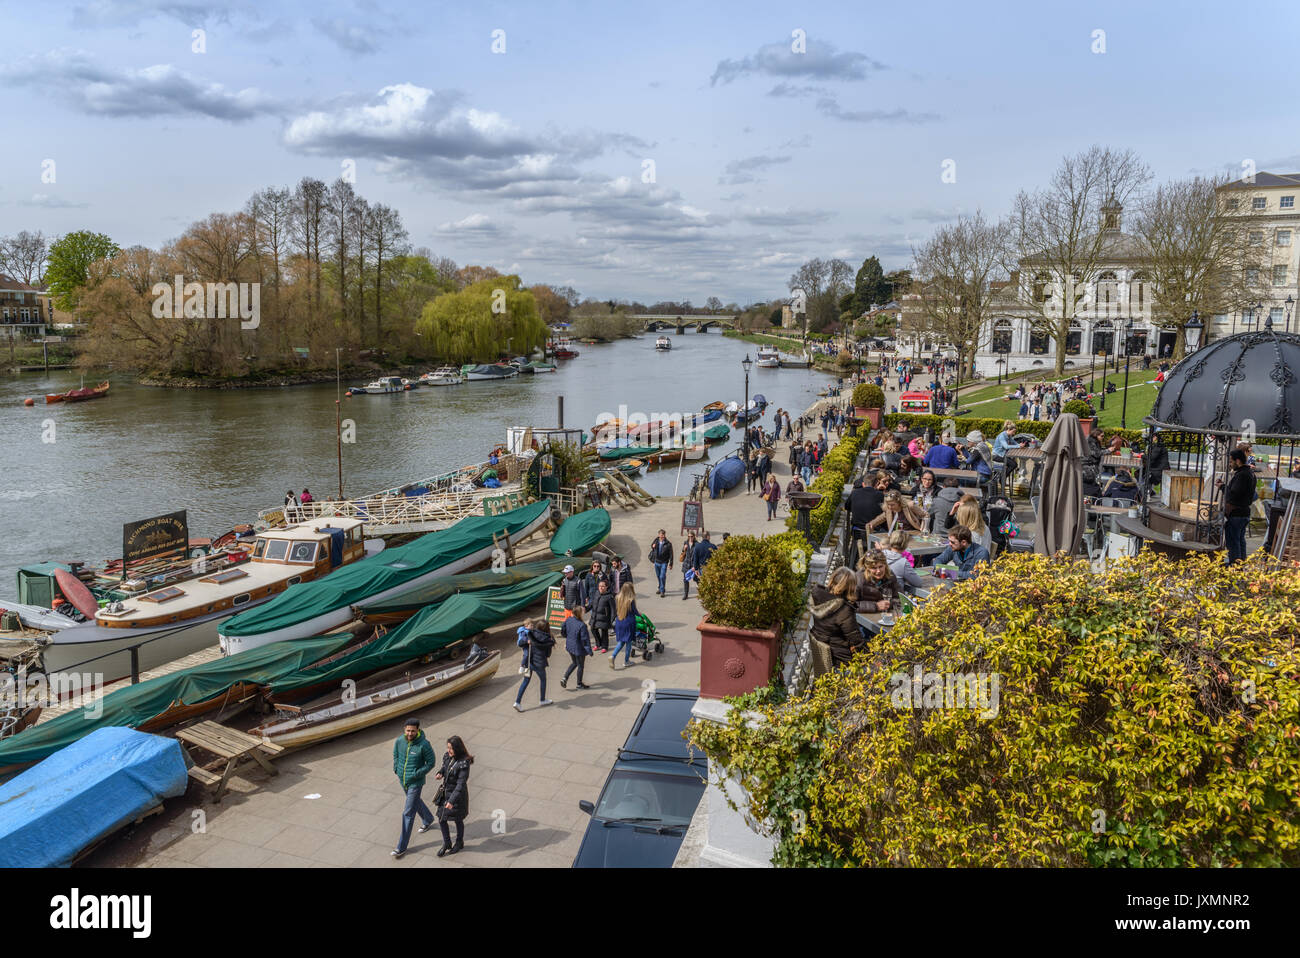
(876, 621)
(932, 583)
(920, 544)
(1034, 458)
(969, 475)
(230, 745)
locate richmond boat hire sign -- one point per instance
(154, 537)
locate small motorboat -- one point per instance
(663, 342)
(537, 367)
(562, 348)
(443, 376)
(490, 371)
(384, 384)
(769, 357)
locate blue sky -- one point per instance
(533, 160)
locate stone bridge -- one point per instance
(701, 323)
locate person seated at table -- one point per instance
(896, 512)
(1005, 441)
(942, 455)
(979, 455)
(917, 447)
(961, 552)
(944, 505)
(925, 490)
(1122, 485)
(889, 453)
(877, 586)
(1116, 445)
(1154, 462)
(901, 562)
(908, 469)
(968, 514)
(834, 607)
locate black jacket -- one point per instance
(619, 577)
(571, 588)
(539, 648)
(865, 505)
(455, 779)
(833, 622)
(1239, 492)
(661, 552)
(602, 611)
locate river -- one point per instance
(75, 473)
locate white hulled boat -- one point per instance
(769, 357)
(443, 376)
(663, 342)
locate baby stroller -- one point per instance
(646, 636)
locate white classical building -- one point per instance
(1120, 292)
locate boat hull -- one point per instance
(72, 650)
(370, 708)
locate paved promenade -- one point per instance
(339, 804)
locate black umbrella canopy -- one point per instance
(1250, 378)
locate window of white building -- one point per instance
(1283, 237)
(1279, 275)
(1256, 237)
(1287, 203)
(1258, 203)
(1278, 315)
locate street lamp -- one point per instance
(1290, 305)
(1128, 348)
(1103, 376)
(748, 364)
(1192, 332)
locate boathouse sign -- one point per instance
(154, 537)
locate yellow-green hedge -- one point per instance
(1149, 716)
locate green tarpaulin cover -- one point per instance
(580, 532)
(444, 587)
(136, 704)
(627, 452)
(392, 567)
(435, 628)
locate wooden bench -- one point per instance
(234, 747)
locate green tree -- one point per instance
(69, 264)
(869, 286)
(479, 322)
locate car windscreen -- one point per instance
(650, 797)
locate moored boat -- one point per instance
(769, 357)
(79, 395)
(384, 384)
(725, 475)
(489, 371)
(443, 376)
(381, 697)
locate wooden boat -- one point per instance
(383, 697)
(669, 456)
(79, 395)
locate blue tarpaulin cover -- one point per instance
(83, 792)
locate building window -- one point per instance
(1287, 203)
(1221, 319)
(1038, 343)
(1279, 275)
(1258, 203)
(1283, 237)
(1252, 277)
(1278, 315)
(1247, 317)
(1256, 237)
(1232, 203)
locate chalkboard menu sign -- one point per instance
(154, 537)
(692, 517)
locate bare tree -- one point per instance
(309, 202)
(1200, 251)
(388, 238)
(24, 256)
(954, 275)
(1059, 235)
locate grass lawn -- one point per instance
(1141, 397)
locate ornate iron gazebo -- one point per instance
(1242, 388)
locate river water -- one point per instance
(75, 473)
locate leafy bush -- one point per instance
(990, 427)
(1078, 407)
(747, 584)
(868, 396)
(1157, 703)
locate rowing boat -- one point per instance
(383, 697)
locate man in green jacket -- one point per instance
(413, 759)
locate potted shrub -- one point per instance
(1081, 409)
(868, 403)
(748, 590)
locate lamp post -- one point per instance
(1192, 332)
(1128, 348)
(747, 363)
(1290, 305)
(1103, 377)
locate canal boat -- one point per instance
(385, 384)
(663, 342)
(769, 357)
(443, 376)
(384, 696)
(170, 622)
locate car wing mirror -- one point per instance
(588, 807)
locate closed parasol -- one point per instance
(1060, 505)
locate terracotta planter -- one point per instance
(736, 661)
(1087, 424)
(870, 415)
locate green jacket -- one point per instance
(412, 761)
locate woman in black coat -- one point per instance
(537, 643)
(602, 616)
(454, 806)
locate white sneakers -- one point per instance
(547, 702)
(518, 707)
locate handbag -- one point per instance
(440, 796)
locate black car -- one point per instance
(651, 793)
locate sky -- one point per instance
(645, 151)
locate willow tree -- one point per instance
(483, 320)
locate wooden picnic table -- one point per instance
(958, 474)
(1032, 453)
(1131, 463)
(233, 746)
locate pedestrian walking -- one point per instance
(661, 554)
(413, 760)
(687, 560)
(571, 589)
(619, 575)
(764, 466)
(602, 615)
(772, 496)
(539, 644)
(453, 805)
(624, 625)
(577, 642)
